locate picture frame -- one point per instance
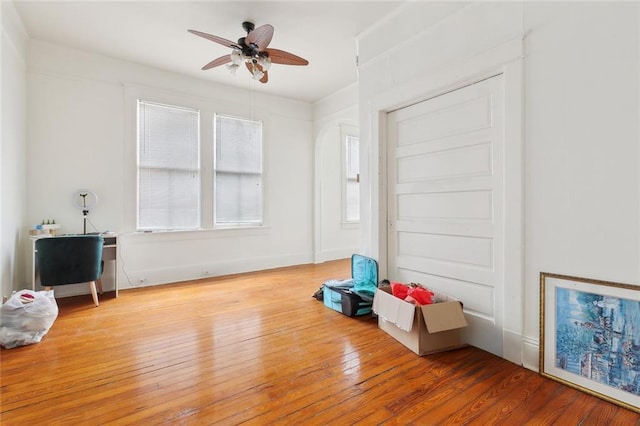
(590, 336)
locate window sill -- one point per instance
(197, 234)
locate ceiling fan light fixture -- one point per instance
(257, 74)
(264, 62)
(236, 57)
(232, 68)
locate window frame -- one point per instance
(346, 132)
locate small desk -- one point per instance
(109, 253)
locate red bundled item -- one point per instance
(399, 290)
(412, 294)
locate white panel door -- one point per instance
(445, 202)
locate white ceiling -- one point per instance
(155, 33)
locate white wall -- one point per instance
(12, 150)
(581, 158)
(332, 116)
(81, 115)
(583, 80)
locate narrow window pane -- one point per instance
(168, 167)
(353, 157)
(168, 199)
(239, 198)
(352, 185)
(168, 137)
(239, 144)
(353, 201)
(238, 172)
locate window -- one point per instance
(168, 167)
(237, 172)
(352, 179)
(183, 185)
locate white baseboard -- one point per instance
(128, 279)
(335, 254)
(521, 350)
(512, 346)
(69, 290)
(144, 278)
(530, 353)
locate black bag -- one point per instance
(319, 293)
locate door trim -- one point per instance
(506, 59)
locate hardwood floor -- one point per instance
(258, 349)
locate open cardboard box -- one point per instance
(423, 329)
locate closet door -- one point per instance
(445, 202)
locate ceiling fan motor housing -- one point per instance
(248, 26)
(249, 50)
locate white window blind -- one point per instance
(352, 181)
(237, 172)
(168, 167)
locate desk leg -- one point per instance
(110, 256)
(115, 273)
(35, 274)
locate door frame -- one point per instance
(506, 59)
(320, 253)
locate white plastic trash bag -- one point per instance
(27, 317)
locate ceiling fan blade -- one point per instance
(265, 77)
(286, 58)
(260, 36)
(217, 62)
(220, 40)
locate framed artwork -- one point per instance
(590, 336)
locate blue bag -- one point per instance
(353, 296)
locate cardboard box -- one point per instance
(423, 329)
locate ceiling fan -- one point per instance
(253, 50)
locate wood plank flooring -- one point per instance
(257, 349)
